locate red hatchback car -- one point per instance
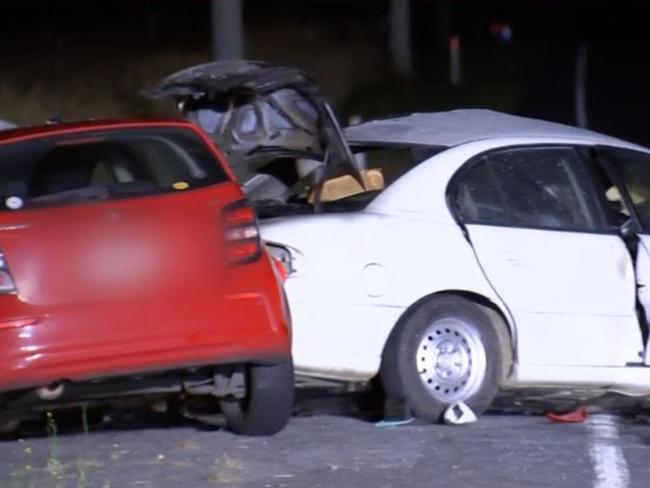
(131, 267)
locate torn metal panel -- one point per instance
(459, 414)
(212, 80)
(257, 111)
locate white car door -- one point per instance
(643, 281)
(541, 236)
(632, 169)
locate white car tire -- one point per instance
(445, 350)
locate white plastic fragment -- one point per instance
(459, 414)
(393, 423)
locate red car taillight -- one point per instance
(241, 234)
(7, 284)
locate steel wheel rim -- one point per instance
(451, 360)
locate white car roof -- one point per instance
(456, 127)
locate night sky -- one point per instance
(85, 47)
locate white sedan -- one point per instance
(485, 251)
(458, 253)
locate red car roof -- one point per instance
(33, 132)
(22, 133)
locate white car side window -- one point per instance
(543, 187)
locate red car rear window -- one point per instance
(88, 166)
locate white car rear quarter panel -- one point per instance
(342, 319)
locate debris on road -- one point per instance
(459, 414)
(576, 416)
(393, 423)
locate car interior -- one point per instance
(289, 185)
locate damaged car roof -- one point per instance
(216, 78)
(258, 112)
(457, 127)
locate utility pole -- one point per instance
(580, 89)
(227, 29)
(400, 36)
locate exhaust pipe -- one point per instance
(51, 392)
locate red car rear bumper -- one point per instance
(39, 346)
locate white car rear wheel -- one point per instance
(444, 351)
(451, 359)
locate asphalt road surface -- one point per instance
(331, 444)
